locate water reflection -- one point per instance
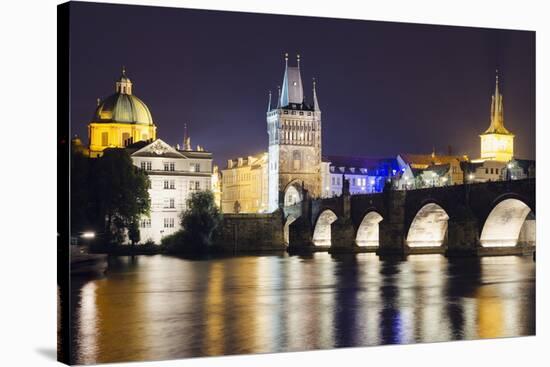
(162, 307)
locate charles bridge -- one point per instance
(492, 218)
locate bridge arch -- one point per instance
(322, 233)
(368, 230)
(510, 221)
(292, 193)
(429, 226)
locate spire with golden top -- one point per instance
(497, 113)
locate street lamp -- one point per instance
(471, 177)
(444, 179)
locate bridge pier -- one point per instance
(343, 236)
(462, 238)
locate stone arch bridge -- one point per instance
(489, 218)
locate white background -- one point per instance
(28, 182)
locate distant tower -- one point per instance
(294, 130)
(497, 143)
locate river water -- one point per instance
(161, 307)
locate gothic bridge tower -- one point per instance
(294, 130)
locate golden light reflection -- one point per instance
(214, 338)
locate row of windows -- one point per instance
(361, 181)
(169, 184)
(146, 223)
(125, 138)
(301, 113)
(170, 166)
(492, 170)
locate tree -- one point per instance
(133, 232)
(121, 192)
(201, 224)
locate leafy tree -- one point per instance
(201, 223)
(121, 192)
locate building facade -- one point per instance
(120, 119)
(294, 131)
(365, 175)
(174, 175)
(428, 170)
(497, 143)
(245, 185)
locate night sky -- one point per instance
(383, 88)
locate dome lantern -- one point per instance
(124, 84)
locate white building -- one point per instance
(174, 175)
(366, 175)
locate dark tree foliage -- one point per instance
(108, 195)
(121, 192)
(201, 223)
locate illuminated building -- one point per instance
(497, 143)
(245, 185)
(294, 130)
(120, 119)
(428, 170)
(174, 174)
(366, 175)
(216, 188)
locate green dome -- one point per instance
(124, 108)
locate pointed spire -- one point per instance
(315, 102)
(123, 70)
(98, 101)
(292, 91)
(298, 60)
(278, 96)
(497, 111)
(269, 102)
(186, 139)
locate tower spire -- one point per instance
(292, 91)
(315, 102)
(269, 102)
(497, 111)
(278, 96)
(186, 138)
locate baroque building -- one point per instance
(124, 121)
(245, 185)
(497, 143)
(174, 175)
(120, 119)
(294, 131)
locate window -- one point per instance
(166, 166)
(195, 167)
(486, 171)
(168, 222)
(296, 160)
(194, 185)
(491, 171)
(146, 165)
(496, 171)
(166, 184)
(172, 203)
(172, 184)
(105, 138)
(125, 139)
(333, 181)
(172, 166)
(353, 181)
(145, 223)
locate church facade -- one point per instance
(294, 133)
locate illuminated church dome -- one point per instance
(123, 106)
(120, 120)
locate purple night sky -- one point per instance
(384, 88)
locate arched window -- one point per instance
(296, 160)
